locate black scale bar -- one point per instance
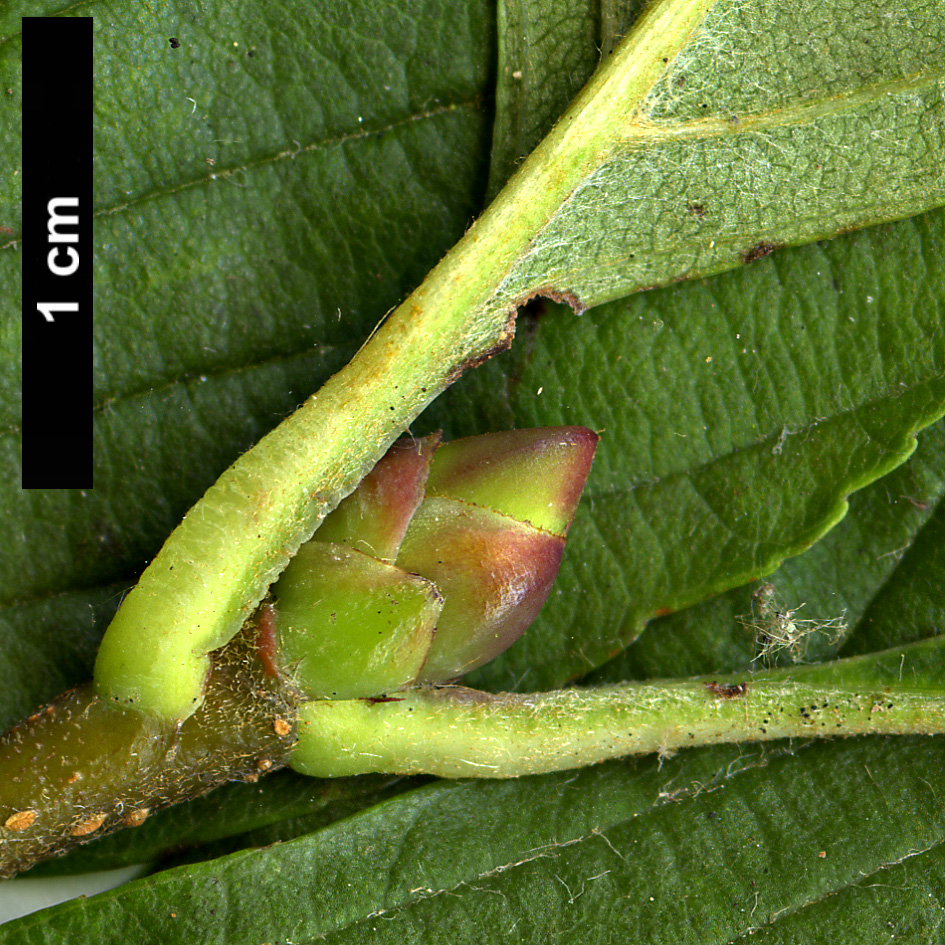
(57, 253)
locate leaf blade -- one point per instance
(566, 872)
(811, 341)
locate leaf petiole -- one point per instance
(457, 732)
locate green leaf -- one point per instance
(676, 851)
(227, 291)
(710, 472)
(218, 288)
(880, 568)
(724, 160)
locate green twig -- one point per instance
(84, 767)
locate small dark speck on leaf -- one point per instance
(727, 690)
(696, 209)
(175, 42)
(758, 251)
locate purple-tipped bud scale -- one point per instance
(374, 518)
(494, 575)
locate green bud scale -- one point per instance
(437, 563)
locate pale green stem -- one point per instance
(217, 565)
(462, 733)
(84, 767)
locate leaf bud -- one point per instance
(490, 535)
(494, 574)
(438, 562)
(534, 476)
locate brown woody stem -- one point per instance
(81, 767)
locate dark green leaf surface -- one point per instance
(265, 192)
(689, 850)
(910, 606)
(736, 416)
(880, 568)
(219, 287)
(49, 645)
